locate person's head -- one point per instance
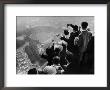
(50, 70)
(75, 28)
(84, 25)
(32, 71)
(57, 50)
(70, 27)
(48, 51)
(56, 60)
(66, 32)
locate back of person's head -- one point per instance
(48, 51)
(66, 32)
(84, 25)
(32, 71)
(75, 27)
(56, 60)
(57, 50)
(71, 25)
(50, 70)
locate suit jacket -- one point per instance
(84, 39)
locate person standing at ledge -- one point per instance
(84, 39)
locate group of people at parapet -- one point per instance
(73, 54)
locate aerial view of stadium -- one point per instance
(54, 45)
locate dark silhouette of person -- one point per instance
(49, 55)
(57, 51)
(66, 32)
(63, 60)
(69, 40)
(84, 39)
(71, 47)
(88, 57)
(77, 30)
(56, 60)
(56, 64)
(32, 71)
(71, 25)
(90, 51)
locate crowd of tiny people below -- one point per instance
(73, 54)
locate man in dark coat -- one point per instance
(84, 39)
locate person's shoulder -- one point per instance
(84, 32)
(89, 33)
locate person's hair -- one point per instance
(75, 27)
(84, 25)
(56, 60)
(57, 50)
(71, 25)
(66, 32)
(32, 71)
(48, 51)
